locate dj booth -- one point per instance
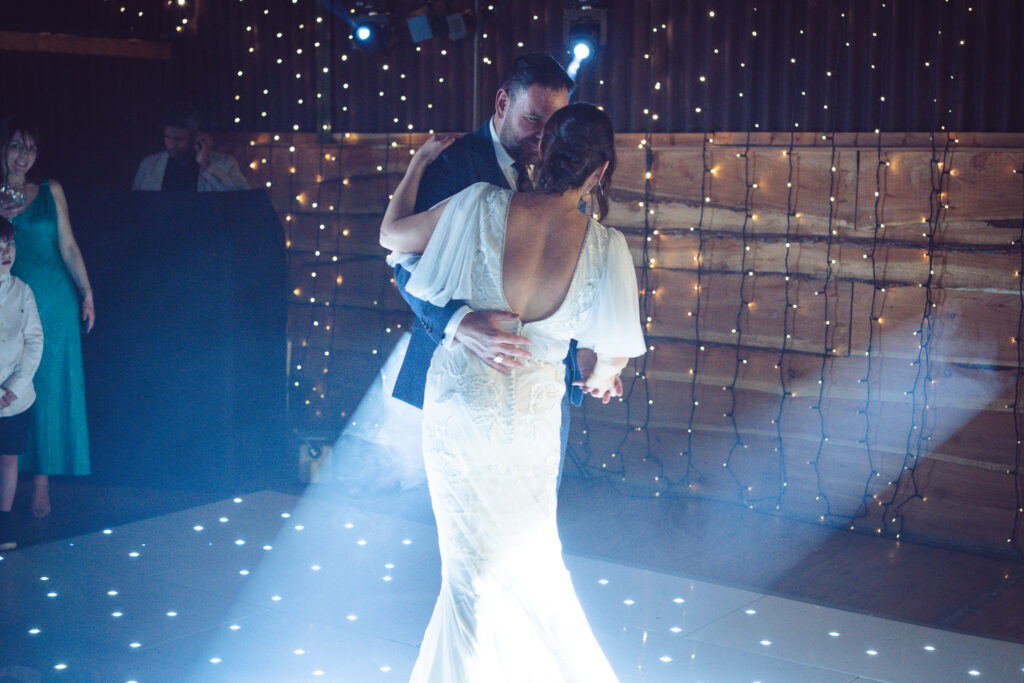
(186, 367)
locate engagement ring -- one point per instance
(498, 358)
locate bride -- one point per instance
(507, 610)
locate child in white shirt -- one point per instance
(21, 347)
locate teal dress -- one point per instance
(60, 438)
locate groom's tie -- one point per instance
(523, 182)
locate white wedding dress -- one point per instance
(507, 611)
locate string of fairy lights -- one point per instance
(787, 306)
(818, 406)
(704, 199)
(900, 495)
(139, 19)
(741, 310)
(1018, 456)
(874, 319)
(633, 454)
(636, 383)
(917, 434)
(908, 470)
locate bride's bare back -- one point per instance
(543, 238)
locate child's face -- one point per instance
(6, 255)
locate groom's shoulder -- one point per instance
(464, 162)
(472, 145)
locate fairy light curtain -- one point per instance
(768, 217)
(768, 256)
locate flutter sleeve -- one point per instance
(612, 327)
(444, 271)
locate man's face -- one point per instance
(519, 118)
(180, 143)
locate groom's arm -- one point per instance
(477, 330)
(435, 319)
(442, 179)
(437, 184)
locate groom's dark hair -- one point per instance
(536, 68)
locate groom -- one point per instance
(502, 152)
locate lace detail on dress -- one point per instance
(507, 612)
(583, 297)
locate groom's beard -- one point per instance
(524, 151)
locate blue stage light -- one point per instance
(585, 32)
(372, 32)
(581, 51)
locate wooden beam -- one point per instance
(662, 141)
(62, 43)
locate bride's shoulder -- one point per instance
(482, 190)
(490, 188)
(601, 231)
(608, 241)
(488, 192)
(476, 197)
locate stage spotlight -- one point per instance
(581, 50)
(585, 29)
(370, 22)
(372, 32)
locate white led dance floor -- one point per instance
(271, 587)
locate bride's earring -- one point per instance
(589, 197)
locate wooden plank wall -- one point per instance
(817, 351)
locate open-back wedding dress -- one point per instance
(507, 609)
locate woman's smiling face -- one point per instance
(20, 155)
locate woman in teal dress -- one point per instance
(51, 264)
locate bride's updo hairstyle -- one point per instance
(577, 139)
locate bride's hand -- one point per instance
(603, 380)
(433, 147)
(604, 389)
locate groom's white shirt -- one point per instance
(505, 160)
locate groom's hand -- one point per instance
(480, 333)
(586, 359)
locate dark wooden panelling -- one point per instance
(831, 450)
